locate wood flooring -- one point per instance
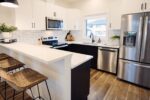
(106, 86)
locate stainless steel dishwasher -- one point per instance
(107, 59)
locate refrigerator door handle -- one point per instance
(144, 39)
(139, 36)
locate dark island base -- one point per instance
(80, 81)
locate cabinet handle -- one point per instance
(32, 25)
(142, 6)
(145, 6)
(110, 25)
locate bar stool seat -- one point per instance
(3, 56)
(10, 64)
(25, 79)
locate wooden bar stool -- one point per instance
(3, 56)
(9, 64)
(24, 80)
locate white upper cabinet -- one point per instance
(115, 14)
(147, 5)
(39, 14)
(23, 15)
(133, 6)
(30, 15)
(73, 18)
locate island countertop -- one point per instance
(46, 54)
(58, 65)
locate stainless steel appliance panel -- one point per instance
(107, 59)
(145, 50)
(131, 35)
(134, 72)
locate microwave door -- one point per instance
(145, 50)
(131, 33)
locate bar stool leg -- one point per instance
(48, 90)
(32, 93)
(23, 95)
(5, 90)
(14, 95)
(39, 91)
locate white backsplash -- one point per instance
(33, 36)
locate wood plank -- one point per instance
(105, 86)
(97, 85)
(95, 77)
(133, 93)
(144, 94)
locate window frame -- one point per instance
(97, 16)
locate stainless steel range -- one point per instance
(134, 62)
(53, 41)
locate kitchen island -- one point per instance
(68, 73)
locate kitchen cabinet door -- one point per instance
(39, 14)
(49, 10)
(132, 6)
(56, 12)
(23, 15)
(73, 19)
(147, 5)
(115, 14)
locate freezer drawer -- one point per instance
(107, 59)
(134, 72)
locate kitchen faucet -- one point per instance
(92, 37)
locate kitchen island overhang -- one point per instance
(57, 65)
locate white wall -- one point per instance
(6, 15)
(89, 7)
(97, 8)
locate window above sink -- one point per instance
(97, 25)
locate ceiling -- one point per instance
(71, 1)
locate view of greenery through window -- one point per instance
(96, 26)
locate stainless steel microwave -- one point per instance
(52, 24)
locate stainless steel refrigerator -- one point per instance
(134, 57)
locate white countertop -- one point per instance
(92, 44)
(46, 54)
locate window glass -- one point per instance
(96, 26)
